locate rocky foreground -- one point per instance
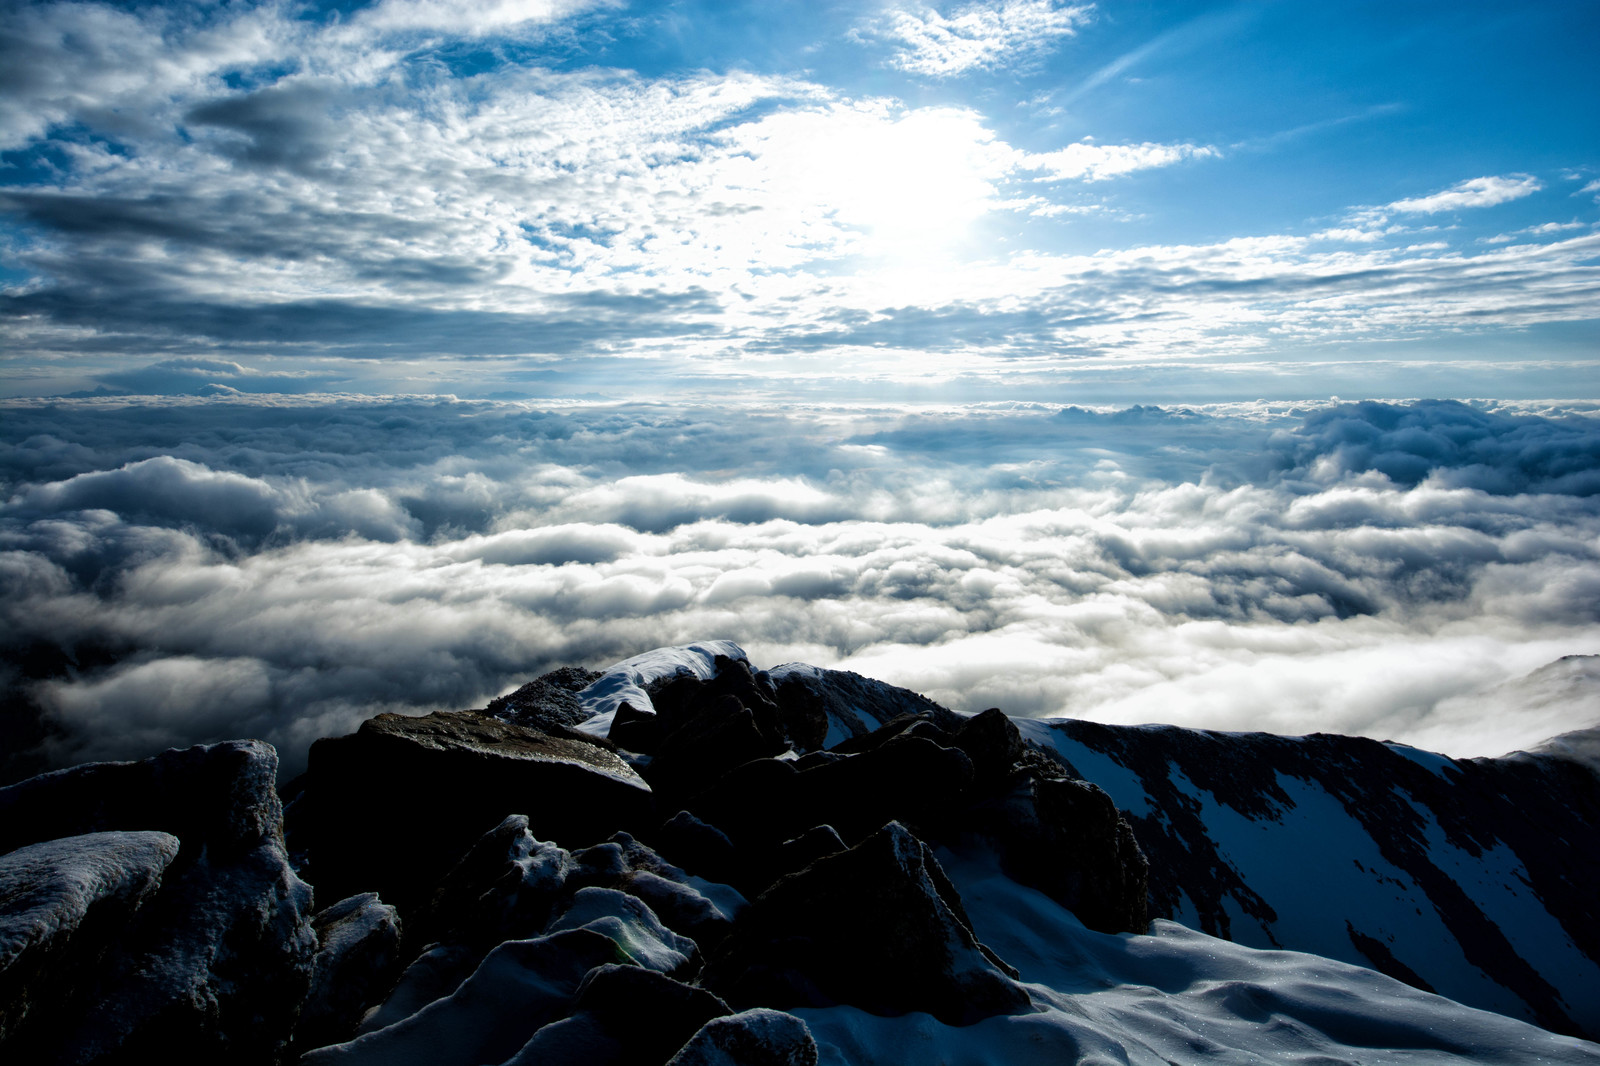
(683, 860)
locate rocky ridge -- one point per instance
(678, 860)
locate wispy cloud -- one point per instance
(1098, 162)
(1474, 192)
(976, 36)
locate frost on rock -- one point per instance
(353, 967)
(216, 963)
(62, 906)
(631, 923)
(622, 1015)
(759, 1037)
(448, 778)
(519, 987)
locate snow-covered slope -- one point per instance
(1175, 996)
(1472, 878)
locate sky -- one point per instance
(1232, 365)
(1176, 201)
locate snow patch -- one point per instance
(625, 682)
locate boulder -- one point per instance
(506, 887)
(63, 905)
(680, 698)
(879, 927)
(356, 964)
(447, 778)
(758, 1037)
(707, 742)
(993, 743)
(635, 730)
(629, 921)
(682, 908)
(519, 987)
(909, 779)
(823, 707)
(213, 966)
(623, 1014)
(221, 798)
(548, 702)
(1067, 839)
(698, 847)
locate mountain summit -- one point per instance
(684, 859)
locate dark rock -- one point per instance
(63, 905)
(816, 758)
(754, 804)
(215, 965)
(505, 888)
(1067, 839)
(900, 725)
(680, 907)
(221, 798)
(623, 1015)
(815, 704)
(633, 926)
(706, 744)
(520, 986)
(635, 730)
(762, 868)
(696, 846)
(448, 778)
(878, 927)
(434, 974)
(681, 698)
(909, 779)
(994, 745)
(577, 1040)
(356, 963)
(759, 1037)
(815, 843)
(548, 700)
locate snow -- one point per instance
(625, 682)
(47, 889)
(728, 900)
(1175, 996)
(629, 921)
(1497, 883)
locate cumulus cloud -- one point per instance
(1367, 568)
(976, 36)
(1474, 192)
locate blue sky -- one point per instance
(1005, 199)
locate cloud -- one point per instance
(974, 37)
(1097, 162)
(1370, 568)
(1474, 192)
(475, 20)
(213, 377)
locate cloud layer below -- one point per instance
(282, 567)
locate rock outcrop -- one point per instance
(758, 869)
(447, 779)
(879, 927)
(215, 963)
(62, 904)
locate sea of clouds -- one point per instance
(184, 570)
